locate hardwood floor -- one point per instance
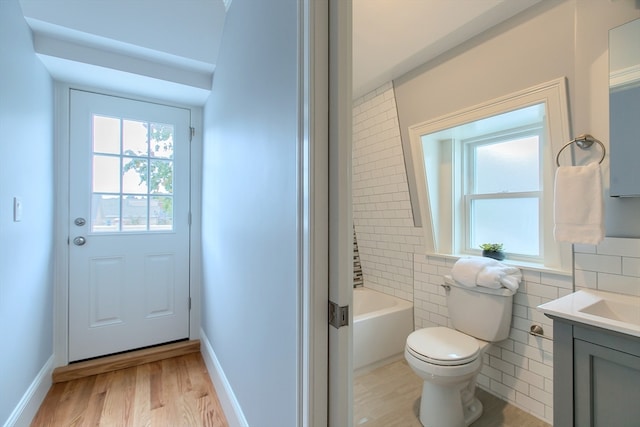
(389, 396)
(170, 392)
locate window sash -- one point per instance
(469, 246)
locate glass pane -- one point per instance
(161, 140)
(106, 174)
(134, 175)
(161, 177)
(509, 166)
(105, 213)
(513, 222)
(134, 138)
(106, 135)
(161, 213)
(134, 213)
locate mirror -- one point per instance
(624, 109)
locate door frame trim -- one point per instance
(61, 220)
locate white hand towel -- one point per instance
(578, 204)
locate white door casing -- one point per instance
(129, 279)
(340, 211)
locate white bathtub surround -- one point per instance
(381, 324)
(612, 266)
(387, 238)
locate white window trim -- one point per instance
(553, 94)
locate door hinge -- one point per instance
(189, 303)
(338, 316)
(192, 132)
(189, 218)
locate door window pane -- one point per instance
(106, 174)
(134, 175)
(161, 213)
(161, 139)
(134, 138)
(134, 213)
(106, 135)
(105, 213)
(161, 177)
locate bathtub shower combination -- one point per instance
(381, 324)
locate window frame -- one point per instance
(553, 95)
(469, 194)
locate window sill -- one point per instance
(533, 266)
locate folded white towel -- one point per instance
(486, 272)
(465, 270)
(578, 204)
(500, 276)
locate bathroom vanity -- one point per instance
(596, 359)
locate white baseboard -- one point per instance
(227, 398)
(28, 406)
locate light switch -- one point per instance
(17, 209)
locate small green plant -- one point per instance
(491, 247)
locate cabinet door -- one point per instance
(606, 386)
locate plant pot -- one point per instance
(499, 255)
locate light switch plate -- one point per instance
(17, 209)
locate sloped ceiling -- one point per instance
(392, 37)
(172, 45)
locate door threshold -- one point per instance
(129, 359)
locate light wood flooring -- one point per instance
(389, 396)
(170, 392)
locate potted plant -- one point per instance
(492, 250)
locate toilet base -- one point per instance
(445, 406)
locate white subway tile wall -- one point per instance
(382, 214)
(612, 266)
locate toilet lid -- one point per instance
(443, 346)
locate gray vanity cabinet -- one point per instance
(596, 376)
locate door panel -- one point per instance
(129, 223)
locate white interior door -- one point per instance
(129, 224)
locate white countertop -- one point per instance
(607, 310)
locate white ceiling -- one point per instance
(119, 41)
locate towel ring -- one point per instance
(583, 141)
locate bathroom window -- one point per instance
(502, 190)
(485, 175)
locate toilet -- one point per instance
(449, 360)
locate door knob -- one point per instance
(79, 241)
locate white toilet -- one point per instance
(449, 360)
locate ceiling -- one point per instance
(121, 42)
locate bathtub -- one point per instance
(381, 324)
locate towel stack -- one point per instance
(486, 272)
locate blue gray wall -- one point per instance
(26, 257)
(250, 261)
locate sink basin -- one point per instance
(615, 312)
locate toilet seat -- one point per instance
(443, 346)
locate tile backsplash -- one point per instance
(613, 266)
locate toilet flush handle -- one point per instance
(446, 287)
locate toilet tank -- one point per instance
(483, 313)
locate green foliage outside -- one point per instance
(159, 178)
